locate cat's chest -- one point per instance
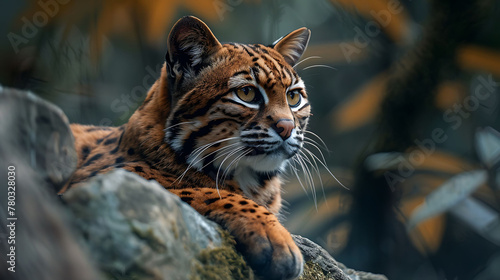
(264, 190)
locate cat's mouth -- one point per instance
(259, 158)
(282, 150)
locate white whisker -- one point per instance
(306, 59)
(331, 174)
(211, 144)
(215, 158)
(319, 65)
(198, 151)
(313, 163)
(295, 170)
(167, 128)
(318, 144)
(228, 147)
(308, 178)
(222, 163)
(305, 160)
(319, 138)
(235, 161)
(318, 173)
(317, 148)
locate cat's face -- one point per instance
(236, 105)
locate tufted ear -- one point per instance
(190, 43)
(293, 45)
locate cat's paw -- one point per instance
(271, 251)
(266, 245)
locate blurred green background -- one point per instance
(382, 76)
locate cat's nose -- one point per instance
(284, 128)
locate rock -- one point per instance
(315, 257)
(136, 229)
(45, 246)
(321, 265)
(361, 275)
(38, 132)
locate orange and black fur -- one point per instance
(217, 129)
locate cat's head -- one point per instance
(234, 105)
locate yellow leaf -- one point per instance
(449, 93)
(479, 58)
(205, 9)
(362, 107)
(389, 14)
(129, 18)
(440, 161)
(332, 53)
(159, 17)
(426, 236)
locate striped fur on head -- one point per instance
(238, 110)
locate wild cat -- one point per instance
(217, 129)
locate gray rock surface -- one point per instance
(135, 227)
(39, 133)
(34, 135)
(316, 256)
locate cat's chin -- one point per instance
(266, 162)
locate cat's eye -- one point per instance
(248, 94)
(293, 97)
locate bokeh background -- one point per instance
(404, 95)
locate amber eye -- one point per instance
(247, 94)
(293, 97)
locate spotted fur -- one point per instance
(220, 154)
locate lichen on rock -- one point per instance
(221, 263)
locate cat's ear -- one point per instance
(190, 43)
(293, 45)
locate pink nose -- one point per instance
(284, 128)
